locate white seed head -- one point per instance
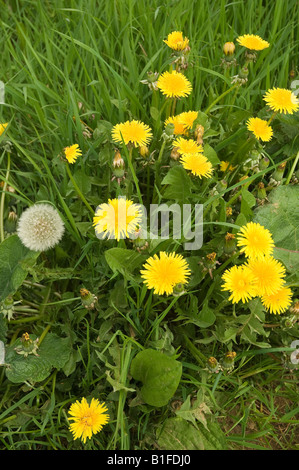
(40, 227)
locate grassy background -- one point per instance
(57, 54)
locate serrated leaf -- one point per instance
(124, 261)
(179, 184)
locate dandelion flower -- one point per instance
(269, 274)
(187, 119)
(256, 240)
(88, 419)
(282, 100)
(164, 273)
(72, 153)
(198, 165)
(117, 219)
(252, 42)
(260, 128)
(179, 127)
(226, 165)
(176, 41)
(40, 227)
(174, 85)
(187, 146)
(279, 301)
(240, 282)
(3, 127)
(132, 132)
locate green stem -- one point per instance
(220, 98)
(3, 199)
(129, 159)
(78, 189)
(292, 169)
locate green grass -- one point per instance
(67, 62)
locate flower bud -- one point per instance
(264, 163)
(198, 133)
(7, 307)
(28, 346)
(278, 173)
(213, 365)
(89, 300)
(10, 224)
(175, 155)
(229, 48)
(229, 360)
(261, 191)
(143, 151)
(229, 244)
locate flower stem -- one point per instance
(292, 169)
(129, 158)
(78, 189)
(3, 199)
(220, 98)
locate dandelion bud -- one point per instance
(7, 307)
(175, 155)
(213, 365)
(210, 260)
(88, 299)
(244, 73)
(198, 134)
(27, 346)
(178, 290)
(169, 129)
(221, 185)
(288, 322)
(229, 244)
(295, 308)
(229, 360)
(264, 163)
(278, 173)
(11, 222)
(261, 191)
(228, 211)
(292, 74)
(143, 151)
(229, 48)
(40, 227)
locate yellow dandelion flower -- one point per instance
(256, 241)
(72, 153)
(117, 219)
(164, 273)
(240, 282)
(176, 41)
(260, 128)
(226, 165)
(269, 274)
(279, 301)
(174, 84)
(198, 164)
(179, 128)
(132, 132)
(252, 42)
(88, 419)
(3, 127)
(282, 100)
(187, 146)
(187, 118)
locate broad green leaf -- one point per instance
(54, 352)
(281, 217)
(179, 434)
(211, 155)
(160, 375)
(14, 257)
